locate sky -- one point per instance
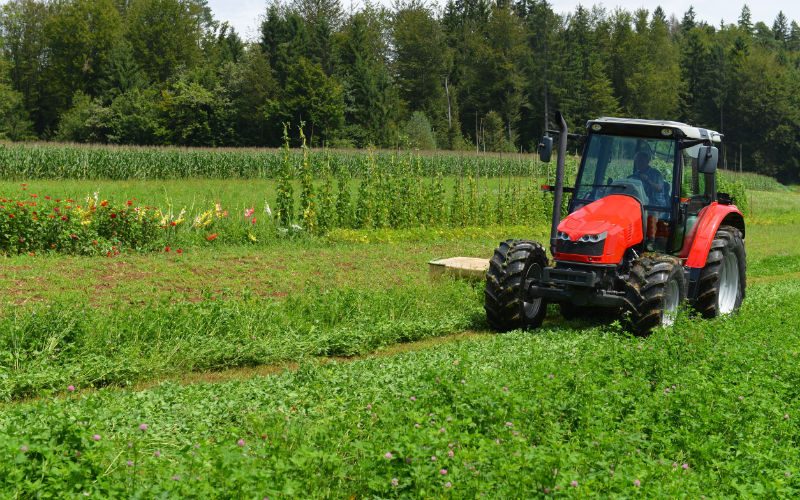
(244, 14)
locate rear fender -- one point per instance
(710, 219)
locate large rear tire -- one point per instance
(513, 262)
(722, 283)
(656, 288)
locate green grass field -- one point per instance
(332, 366)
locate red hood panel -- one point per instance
(617, 215)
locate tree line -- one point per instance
(472, 75)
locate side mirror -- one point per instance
(707, 159)
(546, 149)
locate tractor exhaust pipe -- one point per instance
(558, 192)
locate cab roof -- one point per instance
(629, 126)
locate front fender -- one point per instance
(709, 221)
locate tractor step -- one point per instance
(467, 268)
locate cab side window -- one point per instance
(693, 184)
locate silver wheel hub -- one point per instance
(530, 306)
(728, 284)
(672, 299)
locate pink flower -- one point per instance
(71, 388)
(413, 398)
(451, 454)
(248, 212)
(130, 463)
(509, 424)
(433, 458)
(685, 466)
(637, 483)
(674, 465)
(443, 472)
(156, 453)
(388, 455)
(369, 406)
(23, 448)
(142, 427)
(240, 443)
(574, 484)
(448, 484)
(442, 430)
(395, 482)
(96, 437)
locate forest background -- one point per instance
(469, 75)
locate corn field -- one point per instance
(65, 161)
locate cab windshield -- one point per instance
(639, 167)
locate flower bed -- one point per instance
(89, 227)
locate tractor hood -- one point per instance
(600, 232)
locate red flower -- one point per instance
(166, 249)
(73, 236)
(46, 197)
(212, 237)
(103, 203)
(253, 221)
(173, 223)
(94, 242)
(129, 203)
(34, 196)
(113, 216)
(63, 217)
(10, 216)
(179, 251)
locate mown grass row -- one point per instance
(705, 408)
(55, 345)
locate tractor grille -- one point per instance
(580, 248)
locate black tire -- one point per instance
(509, 267)
(650, 291)
(727, 242)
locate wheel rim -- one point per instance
(531, 308)
(672, 298)
(728, 284)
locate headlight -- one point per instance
(593, 238)
(563, 236)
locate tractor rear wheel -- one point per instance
(507, 308)
(656, 287)
(721, 287)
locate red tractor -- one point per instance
(646, 231)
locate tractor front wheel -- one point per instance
(656, 288)
(722, 281)
(507, 307)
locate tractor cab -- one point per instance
(657, 164)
